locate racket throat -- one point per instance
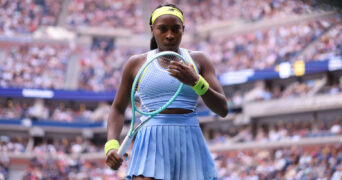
(144, 118)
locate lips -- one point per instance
(170, 44)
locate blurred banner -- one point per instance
(57, 94)
(283, 70)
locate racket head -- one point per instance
(167, 57)
(162, 56)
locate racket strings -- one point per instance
(156, 86)
(166, 60)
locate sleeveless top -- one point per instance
(155, 91)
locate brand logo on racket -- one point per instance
(202, 86)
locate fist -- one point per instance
(113, 159)
(185, 73)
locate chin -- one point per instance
(170, 48)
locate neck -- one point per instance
(174, 50)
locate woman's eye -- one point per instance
(175, 29)
(163, 29)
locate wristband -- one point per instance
(201, 87)
(111, 144)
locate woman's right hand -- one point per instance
(113, 159)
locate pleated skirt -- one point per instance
(171, 147)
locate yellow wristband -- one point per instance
(201, 87)
(111, 144)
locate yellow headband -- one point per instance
(167, 10)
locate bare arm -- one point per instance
(117, 111)
(214, 98)
(122, 98)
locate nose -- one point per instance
(170, 36)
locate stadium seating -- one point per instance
(279, 62)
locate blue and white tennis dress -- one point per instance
(171, 146)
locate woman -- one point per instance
(171, 145)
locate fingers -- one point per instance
(179, 67)
(179, 64)
(113, 160)
(183, 72)
(113, 165)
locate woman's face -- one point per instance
(168, 31)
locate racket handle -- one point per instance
(124, 146)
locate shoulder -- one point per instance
(199, 56)
(196, 53)
(201, 59)
(134, 63)
(136, 59)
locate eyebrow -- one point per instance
(166, 25)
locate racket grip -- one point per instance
(124, 146)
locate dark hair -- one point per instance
(153, 43)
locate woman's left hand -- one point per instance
(183, 72)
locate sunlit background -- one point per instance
(279, 62)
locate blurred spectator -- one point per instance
(106, 13)
(129, 14)
(40, 110)
(278, 132)
(262, 48)
(282, 163)
(335, 128)
(338, 173)
(4, 158)
(101, 68)
(101, 113)
(18, 16)
(211, 12)
(34, 66)
(328, 46)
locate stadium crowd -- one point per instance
(39, 110)
(104, 13)
(280, 131)
(27, 16)
(262, 48)
(281, 163)
(329, 45)
(64, 112)
(60, 113)
(44, 66)
(211, 12)
(101, 67)
(24, 17)
(256, 50)
(323, 162)
(293, 90)
(58, 159)
(130, 14)
(67, 168)
(34, 65)
(4, 159)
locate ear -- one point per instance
(183, 28)
(151, 28)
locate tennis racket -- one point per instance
(162, 59)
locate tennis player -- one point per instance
(170, 146)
